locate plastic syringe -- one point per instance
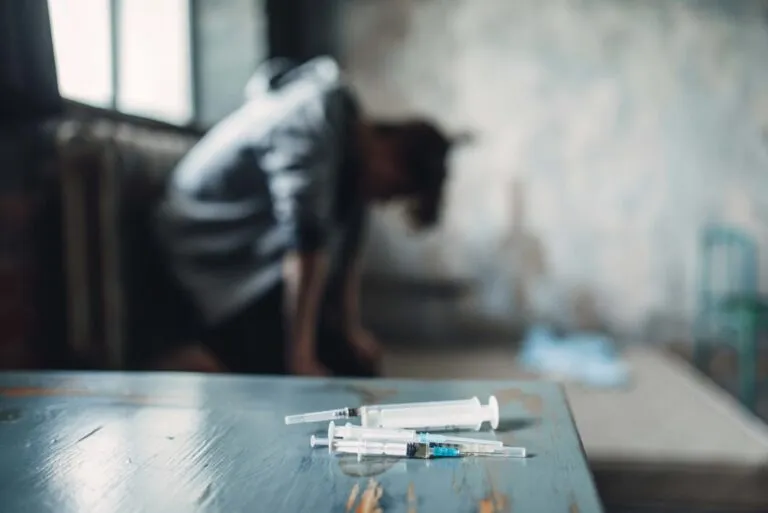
(426, 416)
(350, 431)
(412, 449)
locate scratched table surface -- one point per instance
(163, 442)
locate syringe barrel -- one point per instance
(449, 439)
(370, 448)
(432, 416)
(352, 432)
(476, 448)
(514, 452)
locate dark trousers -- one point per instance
(253, 341)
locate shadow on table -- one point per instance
(509, 425)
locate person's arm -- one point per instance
(301, 165)
(351, 300)
(305, 275)
(361, 340)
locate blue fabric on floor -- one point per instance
(589, 358)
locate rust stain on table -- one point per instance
(369, 500)
(532, 403)
(411, 498)
(352, 497)
(133, 399)
(494, 502)
(42, 392)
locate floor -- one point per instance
(673, 422)
(669, 410)
(723, 371)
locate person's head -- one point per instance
(407, 161)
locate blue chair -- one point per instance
(729, 304)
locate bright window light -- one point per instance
(154, 59)
(81, 44)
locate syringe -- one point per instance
(426, 416)
(350, 431)
(412, 449)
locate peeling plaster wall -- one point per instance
(608, 132)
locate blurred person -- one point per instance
(263, 219)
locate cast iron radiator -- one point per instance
(109, 172)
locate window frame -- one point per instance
(114, 28)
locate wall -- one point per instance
(608, 132)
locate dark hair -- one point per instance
(423, 150)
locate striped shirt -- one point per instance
(279, 174)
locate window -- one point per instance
(151, 60)
(154, 59)
(81, 44)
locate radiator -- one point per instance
(109, 171)
(88, 160)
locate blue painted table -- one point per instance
(161, 442)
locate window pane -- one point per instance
(154, 59)
(81, 44)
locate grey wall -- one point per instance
(608, 132)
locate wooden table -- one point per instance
(162, 442)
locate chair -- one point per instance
(729, 304)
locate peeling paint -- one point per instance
(412, 503)
(352, 497)
(369, 499)
(494, 502)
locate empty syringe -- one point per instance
(412, 449)
(426, 416)
(350, 431)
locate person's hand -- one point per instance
(364, 344)
(307, 365)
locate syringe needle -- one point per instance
(320, 416)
